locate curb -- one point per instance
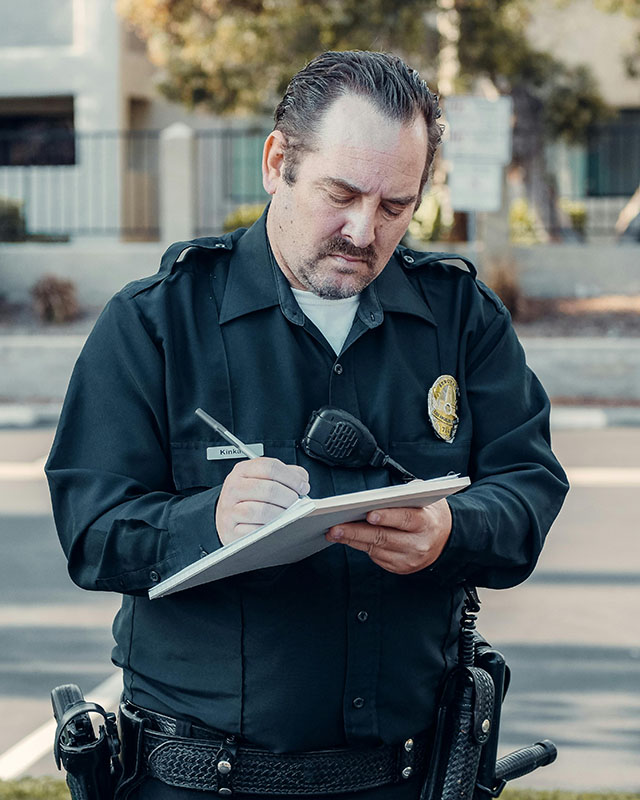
(41, 415)
(25, 415)
(593, 417)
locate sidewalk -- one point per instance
(603, 372)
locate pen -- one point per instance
(242, 447)
(217, 426)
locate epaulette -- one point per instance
(411, 259)
(179, 251)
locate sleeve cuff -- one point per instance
(192, 527)
(468, 534)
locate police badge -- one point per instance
(443, 407)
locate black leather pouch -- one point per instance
(463, 727)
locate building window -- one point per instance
(245, 157)
(37, 131)
(613, 156)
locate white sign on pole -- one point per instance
(478, 128)
(475, 186)
(478, 146)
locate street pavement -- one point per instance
(570, 633)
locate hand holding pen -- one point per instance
(256, 490)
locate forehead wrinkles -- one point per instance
(371, 169)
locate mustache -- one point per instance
(338, 245)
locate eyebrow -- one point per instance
(339, 183)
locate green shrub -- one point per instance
(557, 794)
(577, 213)
(34, 789)
(56, 789)
(523, 223)
(243, 217)
(427, 224)
(13, 227)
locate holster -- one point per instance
(133, 770)
(465, 718)
(91, 761)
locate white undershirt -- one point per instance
(333, 318)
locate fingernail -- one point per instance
(374, 517)
(337, 533)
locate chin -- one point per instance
(337, 289)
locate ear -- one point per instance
(273, 161)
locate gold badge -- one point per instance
(443, 407)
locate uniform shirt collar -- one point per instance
(256, 282)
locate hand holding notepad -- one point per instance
(400, 540)
(299, 531)
(259, 487)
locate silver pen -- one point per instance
(242, 447)
(217, 426)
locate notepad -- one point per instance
(299, 531)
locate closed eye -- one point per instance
(339, 199)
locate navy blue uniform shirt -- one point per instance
(334, 650)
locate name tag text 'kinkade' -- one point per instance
(229, 451)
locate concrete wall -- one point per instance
(574, 270)
(98, 269)
(101, 268)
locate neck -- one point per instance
(273, 229)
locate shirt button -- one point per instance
(337, 368)
(358, 702)
(363, 616)
(409, 259)
(155, 577)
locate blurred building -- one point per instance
(80, 122)
(604, 172)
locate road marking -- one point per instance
(15, 761)
(609, 477)
(589, 418)
(58, 615)
(22, 470)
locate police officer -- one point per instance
(318, 678)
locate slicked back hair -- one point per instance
(396, 89)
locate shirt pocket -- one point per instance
(432, 459)
(192, 469)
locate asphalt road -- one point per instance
(570, 634)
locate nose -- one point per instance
(360, 226)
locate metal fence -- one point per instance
(83, 184)
(108, 183)
(595, 182)
(228, 174)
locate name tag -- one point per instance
(229, 451)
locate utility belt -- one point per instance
(193, 757)
(458, 762)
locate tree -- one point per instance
(236, 56)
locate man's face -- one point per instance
(334, 230)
